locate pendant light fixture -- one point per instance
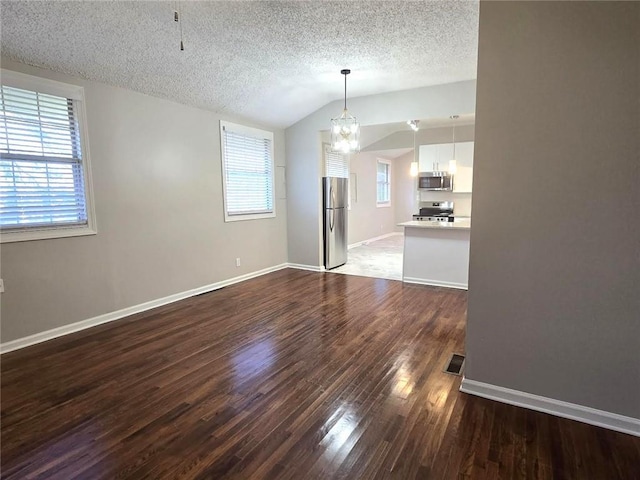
(345, 129)
(453, 164)
(413, 170)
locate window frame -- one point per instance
(386, 203)
(327, 152)
(75, 92)
(254, 132)
(327, 164)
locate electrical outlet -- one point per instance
(1, 286)
(238, 262)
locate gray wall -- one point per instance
(553, 296)
(158, 195)
(304, 152)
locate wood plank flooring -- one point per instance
(292, 375)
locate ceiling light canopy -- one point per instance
(345, 129)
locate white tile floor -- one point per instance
(379, 259)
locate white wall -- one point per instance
(158, 195)
(404, 190)
(555, 270)
(304, 152)
(424, 136)
(366, 219)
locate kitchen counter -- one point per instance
(461, 224)
(436, 253)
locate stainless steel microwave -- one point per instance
(435, 181)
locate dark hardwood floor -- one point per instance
(292, 375)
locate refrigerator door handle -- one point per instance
(332, 220)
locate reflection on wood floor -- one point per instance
(293, 375)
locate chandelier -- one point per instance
(345, 129)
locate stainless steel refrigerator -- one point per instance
(335, 193)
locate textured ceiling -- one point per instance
(273, 62)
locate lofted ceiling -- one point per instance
(274, 62)
(370, 135)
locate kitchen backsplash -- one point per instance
(461, 201)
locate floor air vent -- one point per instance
(455, 364)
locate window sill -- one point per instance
(254, 216)
(383, 205)
(45, 234)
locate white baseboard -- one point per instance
(369, 240)
(435, 283)
(558, 408)
(125, 312)
(311, 268)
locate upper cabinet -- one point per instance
(463, 178)
(437, 157)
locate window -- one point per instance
(247, 172)
(384, 184)
(44, 181)
(336, 164)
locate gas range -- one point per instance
(436, 212)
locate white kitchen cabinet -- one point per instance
(435, 157)
(427, 158)
(445, 155)
(463, 178)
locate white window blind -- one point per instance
(336, 164)
(384, 183)
(42, 181)
(248, 172)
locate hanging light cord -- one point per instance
(345, 91)
(414, 145)
(345, 72)
(454, 118)
(454, 139)
(176, 18)
(181, 37)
